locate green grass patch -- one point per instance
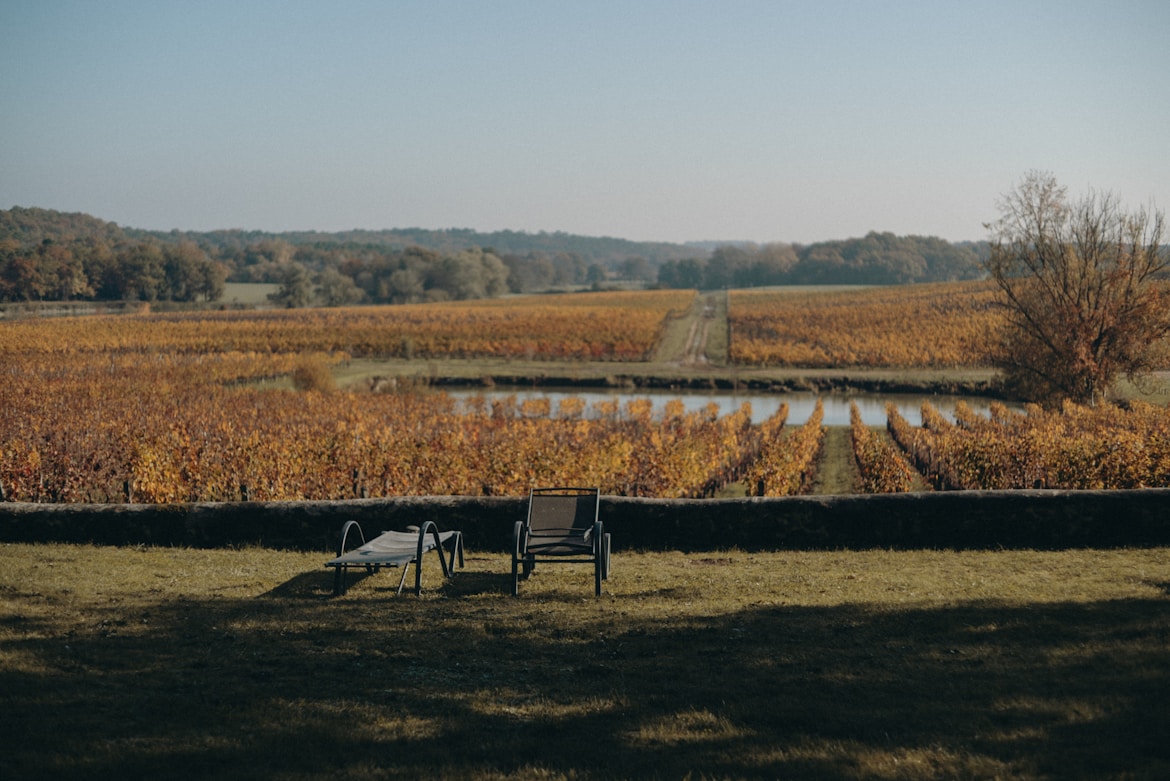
(151, 662)
(718, 346)
(1154, 389)
(672, 343)
(248, 293)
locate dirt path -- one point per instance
(695, 353)
(698, 337)
(837, 470)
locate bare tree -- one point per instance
(1080, 284)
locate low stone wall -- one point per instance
(956, 520)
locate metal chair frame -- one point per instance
(583, 541)
(394, 549)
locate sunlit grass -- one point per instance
(154, 662)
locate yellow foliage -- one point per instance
(938, 325)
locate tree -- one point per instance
(65, 273)
(684, 274)
(404, 286)
(530, 273)
(595, 275)
(20, 274)
(104, 269)
(142, 271)
(296, 287)
(495, 274)
(1079, 284)
(183, 271)
(569, 268)
(635, 269)
(212, 279)
(336, 289)
(470, 273)
(771, 265)
(724, 265)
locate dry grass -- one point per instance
(168, 663)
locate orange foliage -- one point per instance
(1077, 448)
(606, 326)
(933, 326)
(882, 467)
(786, 463)
(178, 428)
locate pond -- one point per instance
(800, 404)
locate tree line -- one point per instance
(48, 255)
(51, 256)
(601, 250)
(94, 270)
(876, 259)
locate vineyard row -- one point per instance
(177, 429)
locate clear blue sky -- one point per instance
(641, 119)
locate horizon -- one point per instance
(653, 121)
(698, 242)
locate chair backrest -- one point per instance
(562, 512)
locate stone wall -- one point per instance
(957, 520)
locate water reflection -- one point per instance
(800, 404)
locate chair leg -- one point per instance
(605, 550)
(519, 543)
(456, 552)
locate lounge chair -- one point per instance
(394, 549)
(562, 527)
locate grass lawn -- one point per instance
(175, 663)
(247, 293)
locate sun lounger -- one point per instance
(394, 549)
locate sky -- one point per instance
(650, 120)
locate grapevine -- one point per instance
(882, 468)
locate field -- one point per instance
(177, 663)
(180, 407)
(248, 293)
(1077, 448)
(571, 327)
(167, 663)
(923, 326)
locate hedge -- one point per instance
(935, 520)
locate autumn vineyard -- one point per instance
(163, 408)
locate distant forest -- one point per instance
(876, 259)
(47, 255)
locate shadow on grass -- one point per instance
(466, 584)
(308, 585)
(1165, 587)
(318, 585)
(300, 686)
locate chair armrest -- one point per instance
(430, 526)
(519, 539)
